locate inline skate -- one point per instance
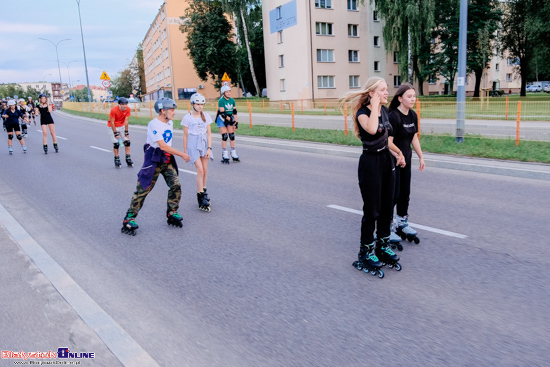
(405, 231)
(368, 262)
(24, 147)
(129, 160)
(386, 255)
(395, 240)
(117, 162)
(206, 195)
(55, 147)
(129, 225)
(234, 155)
(225, 156)
(203, 203)
(10, 149)
(174, 219)
(45, 148)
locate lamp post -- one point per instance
(44, 77)
(68, 73)
(84, 50)
(57, 55)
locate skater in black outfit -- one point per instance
(404, 122)
(12, 116)
(44, 109)
(376, 175)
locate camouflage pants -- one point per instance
(174, 193)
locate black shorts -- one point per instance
(45, 122)
(11, 128)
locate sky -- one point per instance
(112, 31)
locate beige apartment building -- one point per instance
(169, 71)
(321, 49)
(53, 89)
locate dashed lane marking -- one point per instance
(186, 171)
(416, 226)
(103, 150)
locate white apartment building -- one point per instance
(53, 89)
(321, 49)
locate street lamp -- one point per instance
(68, 72)
(44, 77)
(84, 50)
(56, 53)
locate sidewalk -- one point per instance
(539, 171)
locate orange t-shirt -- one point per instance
(119, 116)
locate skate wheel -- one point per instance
(380, 274)
(409, 239)
(390, 266)
(400, 247)
(398, 267)
(417, 240)
(403, 236)
(373, 272)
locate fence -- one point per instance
(488, 118)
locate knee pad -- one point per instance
(19, 137)
(232, 136)
(127, 143)
(10, 136)
(224, 137)
(116, 145)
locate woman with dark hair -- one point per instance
(404, 122)
(376, 175)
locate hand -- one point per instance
(422, 165)
(375, 101)
(401, 160)
(208, 153)
(185, 157)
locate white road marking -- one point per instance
(60, 137)
(414, 225)
(103, 150)
(186, 171)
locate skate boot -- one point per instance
(225, 156)
(405, 231)
(129, 225)
(129, 160)
(395, 240)
(206, 195)
(174, 219)
(368, 262)
(203, 203)
(384, 252)
(55, 147)
(10, 149)
(117, 162)
(24, 147)
(234, 156)
(45, 148)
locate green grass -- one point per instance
(473, 145)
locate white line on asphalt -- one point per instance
(419, 226)
(103, 150)
(123, 346)
(60, 137)
(482, 165)
(186, 171)
(39, 131)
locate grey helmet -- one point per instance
(165, 104)
(198, 98)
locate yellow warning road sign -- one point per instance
(104, 76)
(225, 78)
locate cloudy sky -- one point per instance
(112, 31)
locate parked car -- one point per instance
(533, 88)
(134, 104)
(547, 88)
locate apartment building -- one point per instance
(53, 89)
(321, 49)
(169, 71)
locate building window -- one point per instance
(375, 16)
(508, 78)
(323, 29)
(352, 4)
(281, 61)
(278, 12)
(325, 4)
(280, 37)
(395, 57)
(377, 66)
(496, 67)
(353, 56)
(325, 55)
(511, 61)
(283, 85)
(354, 81)
(352, 30)
(396, 80)
(431, 79)
(376, 41)
(325, 81)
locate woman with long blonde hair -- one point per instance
(376, 173)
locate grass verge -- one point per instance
(473, 145)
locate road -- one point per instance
(265, 279)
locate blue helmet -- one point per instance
(123, 100)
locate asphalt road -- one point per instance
(265, 279)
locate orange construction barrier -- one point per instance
(517, 128)
(506, 114)
(281, 106)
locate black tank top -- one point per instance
(45, 116)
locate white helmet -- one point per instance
(225, 88)
(21, 100)
(198, 98)
(11, 102)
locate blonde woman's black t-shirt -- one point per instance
(383, 124)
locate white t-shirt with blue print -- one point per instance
(158, 130)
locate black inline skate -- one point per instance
(368, 262)
(386, 255)
(203, 203)
(206, 195)
(174, 219)
(406, 231)
(234, 155)
(117, 162)
(129, 225)
(129, 160)
(45, 149)
(55, 147)
(225, 156)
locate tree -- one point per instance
(446, 34)
(138, 71)
(238, 8)
(10, 90)
(122, 84)
(209, 41)
(81, 95)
